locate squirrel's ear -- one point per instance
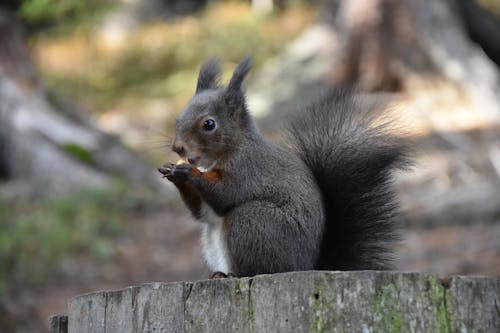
(209, 75)
(234, 91)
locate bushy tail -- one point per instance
(352, 153)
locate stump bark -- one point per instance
(364, 301)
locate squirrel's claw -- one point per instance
(165, 169)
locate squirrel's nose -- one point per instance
(179, 149)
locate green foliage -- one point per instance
(36, 235)
(58, 11)
(79, 152)
(139, 72)
(160, 60)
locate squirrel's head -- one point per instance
(216, 118)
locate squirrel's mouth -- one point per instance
(206, 169)
(196, 161)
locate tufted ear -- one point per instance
(234, 90)
(209, 75)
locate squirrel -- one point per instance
(324, 202)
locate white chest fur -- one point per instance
(213, 242)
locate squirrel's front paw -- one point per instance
(176, 173)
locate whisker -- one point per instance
(148, 149)
(146, 142)
(159, 131)
(159, 145)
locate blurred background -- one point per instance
(89, 91)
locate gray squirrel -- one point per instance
(323, 203)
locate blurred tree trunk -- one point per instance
(385, 41)
(380, 45)
(50, 146)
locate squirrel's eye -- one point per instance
(209, 124)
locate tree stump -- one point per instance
(364, 301)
